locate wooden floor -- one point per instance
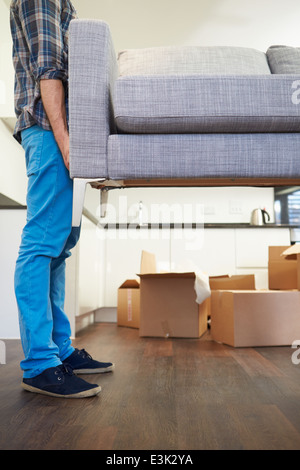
(164, 395)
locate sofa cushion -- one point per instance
(204, 156)
(190, 103)
(284, 59)
(192, 60)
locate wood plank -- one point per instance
(255, 364)
(165, 394)
(264, 428)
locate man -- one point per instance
(40, 55)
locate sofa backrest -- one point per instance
(173, 60)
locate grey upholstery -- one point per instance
(204, 156)
(190, 60)
(93, 69)
(180, 112)
(284, 59)
(207, 103)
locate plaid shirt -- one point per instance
(39, 31)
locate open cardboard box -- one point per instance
(168, 306)
(234, 282)
(128, 309)
(292, 255)
(282, 270)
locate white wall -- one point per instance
(210, 205)
(12, 175)
(147, 23)
(91, 263)
(6, 66)
(11, 225)
(13, 180)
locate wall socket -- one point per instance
(235, 207)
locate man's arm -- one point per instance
(41, 23)
(53, 98)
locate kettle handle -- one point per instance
(263, 214)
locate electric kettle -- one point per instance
(258, 217)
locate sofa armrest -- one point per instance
(92, 71)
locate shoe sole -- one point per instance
(84, 394)
(94, 371)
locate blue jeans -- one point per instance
(47, 239)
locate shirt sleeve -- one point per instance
(41, 24)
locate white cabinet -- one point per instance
(90, 261)
(252, 251)
(123, 256)
(252, 245)
(208, 250)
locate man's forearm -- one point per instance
(53, 98)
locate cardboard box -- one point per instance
(226, 282)
(255, 318)
(282, 272)
(128, 309)
(235, 282)
(168, 306)
(292, 255)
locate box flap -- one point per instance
(130, 284)
(235, 282)
(275, 253)
(291, 252)
(148, 263)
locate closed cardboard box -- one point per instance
(255, 318)
(168, 306)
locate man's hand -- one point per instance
(64, 148)
(53, 98)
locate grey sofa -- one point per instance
(180, 115)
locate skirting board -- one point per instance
(82, 321)
(106, 315)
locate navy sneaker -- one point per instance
(82, 363)
(60, 382)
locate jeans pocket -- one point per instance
(32, 142)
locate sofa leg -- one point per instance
(79, 187)
(103, 201)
